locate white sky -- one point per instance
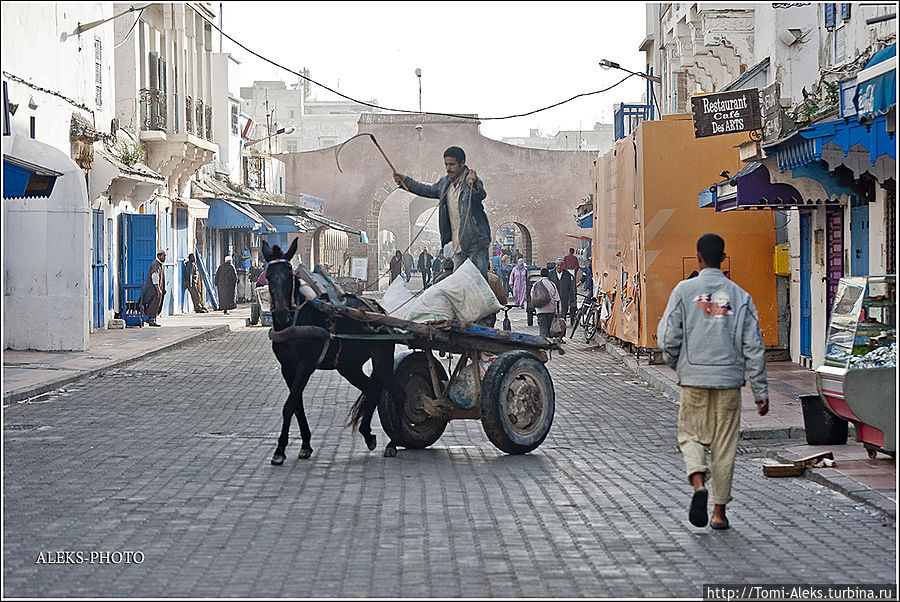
(488, 58)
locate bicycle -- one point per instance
(587, 317)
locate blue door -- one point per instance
(805, 281)
(859, 238)
(181, 239)
(98, 271)
(140, 247)
(110, 288)
(169, 246)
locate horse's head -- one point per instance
(280, 276)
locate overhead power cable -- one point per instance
(375, 106)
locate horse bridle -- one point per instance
(294, 310)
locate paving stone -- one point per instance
(170, 456)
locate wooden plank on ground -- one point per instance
(813, 460)
(782, 470)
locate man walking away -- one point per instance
(154, 289)
(565, 284)
(190, 279)
(461, 216)
(710, 334)
(425, 261)
(226, 284)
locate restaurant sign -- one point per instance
(726, 113)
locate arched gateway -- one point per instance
(538, 189)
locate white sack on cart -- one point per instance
(464, 295)
(395, 299)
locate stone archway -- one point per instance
(387, 191)
(529, 247)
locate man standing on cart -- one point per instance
(710, 334)
(461, 216)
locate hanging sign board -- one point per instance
(726, 113)
(771, 111)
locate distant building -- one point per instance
(599, 139)
(317, 123)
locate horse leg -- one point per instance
(352, 371)
(383, 372)
(294, 406)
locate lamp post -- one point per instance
(419, 75)
(272, 135)
(608, 64)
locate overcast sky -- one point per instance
(489, 58)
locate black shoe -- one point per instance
(225, 311)
(697, 515)
(720, 526)
(153, 324)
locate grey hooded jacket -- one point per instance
(476, 232)
(710, 334)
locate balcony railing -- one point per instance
(188, 115)
(198, 105)
(208, 120)
(153, 109)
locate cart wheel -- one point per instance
(409, 426)
(254, 314)
(871, 452)
(517, 402)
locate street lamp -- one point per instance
(419, 75)
(280, 131)
(608, 64)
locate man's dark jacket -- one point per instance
(565, 284)
(425, 261)
(476, 232)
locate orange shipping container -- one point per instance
(647, 220)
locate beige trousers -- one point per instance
(710, 419)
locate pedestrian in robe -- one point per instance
(191, 282)
(518, 280)
(396, 265)
(154, 289)
(226, 283)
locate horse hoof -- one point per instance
(371, 442)
(278, 459)
(390, 452)
(304, 454)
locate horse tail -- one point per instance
(356, 411)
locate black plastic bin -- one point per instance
(822, 426)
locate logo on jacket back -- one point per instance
(716, 305)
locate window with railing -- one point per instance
(198, 106)
(254, 172)
(153, 109)
(207, 119)
(98, 72)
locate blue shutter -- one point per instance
(829, 16)
(845, 12)
(141, 246)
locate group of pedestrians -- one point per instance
(154, 289)
(560, 284)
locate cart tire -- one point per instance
(517, 402)
(255, 311)
(400, 423)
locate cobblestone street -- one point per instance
(170, 457)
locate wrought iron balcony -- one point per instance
(153, 109)
(188, 115)
(208, 119)
(198, 105)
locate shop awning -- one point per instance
(807, 145)
(197, 209)
(580, 237)
(707, 197)
(338, 226)
(586, 220)
(22, 179)
(290, 223)
(230, 215)
(876, 84)
(751, 188)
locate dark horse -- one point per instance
(302, 341)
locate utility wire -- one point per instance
(375, 106)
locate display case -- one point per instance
(858, 378)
